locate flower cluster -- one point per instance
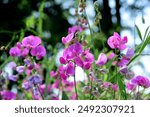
(29, 44)
(138, 81)
(141, 81)
(30, 70)
(116, 42)
(99, 83)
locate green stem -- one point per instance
(75, 85)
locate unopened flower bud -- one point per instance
(103, 71)
(86, 89)
(96, 93)
(129, 75)
(99, 82)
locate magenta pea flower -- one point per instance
(102, 59)
(68, 85)
(115, 41)
(71, 52)
(24, 52)
(19, 45)
(85, 59)
(68, 38)
(53, 74)
(42, 88)
(130, 53)
(70, 70)
(31, 41)
(126, 58)
(62, 60)
(131, 86)
(62, 72)
(75, 29)
(55, 85)
(88, 59)
(114, 87)
(66, 71)
(15, 51)
(141, 81)
(8, 95)
(124, 61)
(79, 61)
(38, 51)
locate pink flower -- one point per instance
(18, 45)
(8, 95)
(31, 41)
(102, 59)
(141, 81)
(111, 55)
(56, 84)
(15, 51)
(79, 61)
(53, 74)
(75, 29)
(114, 87)
(24, 52)
(88, 57)
(62, 60)
(124, 61)
(42, 88)
(85, 59)
(72, 51)
(38, 51)
(66, 71)
(70, 69)
(130, 53)
(115, 41)
(130, 86)
(68, 38)
(126, 58)
(68, 85)
(106, 84)
(62, 72)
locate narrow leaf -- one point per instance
(139, 32)
(146, 32)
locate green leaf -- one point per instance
(146, 32)
(122, 87)
(109, 63)
(139, 32)
(146, 42)
(143, 45)
(143, 20)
